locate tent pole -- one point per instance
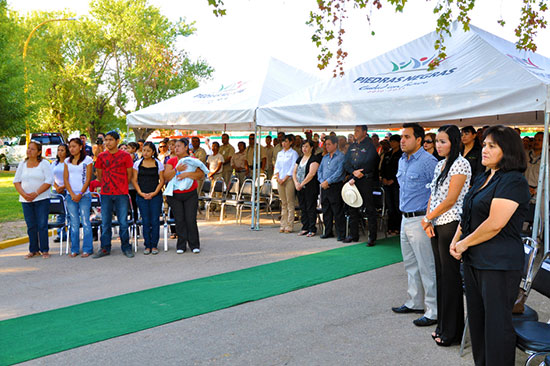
(546, 200)
(259, 154)
(542, 173)
(253, 207)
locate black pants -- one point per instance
(365, 188)
(333, 210)
(450, 300)
(307, 198)
(185, 206)
(490, 297)
(392, 202)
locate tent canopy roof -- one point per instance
(224, 106)
(484, 80)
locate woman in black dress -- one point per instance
(488, 239)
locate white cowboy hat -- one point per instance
(351, 195)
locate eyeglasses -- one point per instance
(428, 142)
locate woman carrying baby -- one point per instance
(148, 180)
(184, 203)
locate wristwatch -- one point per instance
(425, 219)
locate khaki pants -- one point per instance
(227, 172)
(287, 192)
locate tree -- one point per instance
(12, 80)
(141, 61)
(330, 17)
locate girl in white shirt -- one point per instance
(77, 176)
(32, 181)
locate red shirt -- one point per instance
(114, 180)
(174, 162)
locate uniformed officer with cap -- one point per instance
(361, 163)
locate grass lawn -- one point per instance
(10, 207)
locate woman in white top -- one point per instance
(448, 188)
(284, 166)
(58, 167)
(77, 177)
(32, 181)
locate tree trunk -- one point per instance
(142, 133)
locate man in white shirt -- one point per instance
(215, 162)
(286, 160)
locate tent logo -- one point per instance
(232, 87)
(412, 63)
(524, 62)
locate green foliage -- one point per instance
(10, 207)
(88, 74)
(12, 105)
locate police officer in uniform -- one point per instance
(361, 163)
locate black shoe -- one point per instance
(371, 243)
(326, 236)
(340, 239)
(424, 322)
(101, 253)
(129, 253)
(405, 310)
(57, 239)
(349, 239)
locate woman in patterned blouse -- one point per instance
(448, 188)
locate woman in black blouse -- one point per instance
(471, 151)
(488, 239)
(307, 187)
(388, 171)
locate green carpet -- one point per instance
(53, 331)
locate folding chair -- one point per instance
(217, 195)
(58, 207)
(533, 337)
(167, 221)
(95, 213)
(244, 198)
(231, 195)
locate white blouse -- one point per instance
(460, 166)
(32, 178)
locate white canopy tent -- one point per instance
(484, 80)
(219, 106)
(225, 106)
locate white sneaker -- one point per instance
(180, 251)
(196, 250)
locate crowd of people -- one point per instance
(458, 195)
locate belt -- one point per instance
(408, 215)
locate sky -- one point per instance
(240, 43)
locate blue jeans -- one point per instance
(36, 217)
(79, 213)
(150, 216)
(120, 205)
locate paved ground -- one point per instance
(344, 322)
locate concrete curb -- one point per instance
(18, 241)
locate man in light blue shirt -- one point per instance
(416, 169)
(331, 176)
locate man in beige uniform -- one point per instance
(200, 154)
(227, 151)
(250, 155)
(277, 148)
(270, 159)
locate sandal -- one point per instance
(442, 342)
(302, 233)
(147, 251)
(72, 255)
(45, 255)
(154, 251)
(84, 255)
(30, 255)
(281, 230)
(310, 234)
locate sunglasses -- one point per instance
(428, 142)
